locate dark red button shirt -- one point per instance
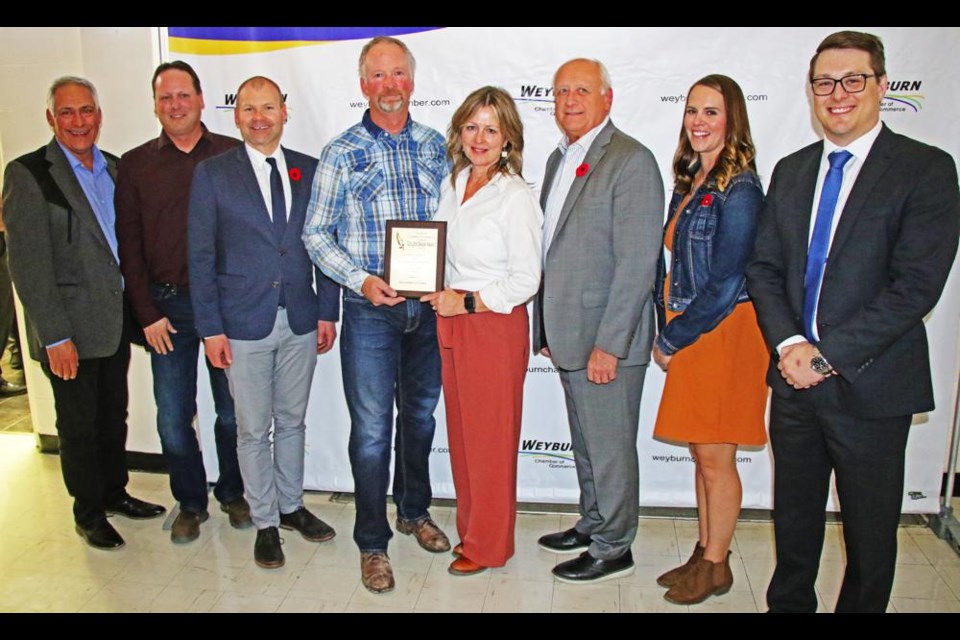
(152, 197)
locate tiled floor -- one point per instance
(44, 566)
(14, 410)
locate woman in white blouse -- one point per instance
(492, 270)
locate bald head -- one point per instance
(582, 96)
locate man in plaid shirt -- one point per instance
(387, 167)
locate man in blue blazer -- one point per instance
(856, 239)
(252, 288)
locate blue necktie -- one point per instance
(279, 205)
(820, 241)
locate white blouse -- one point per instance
(493, 240)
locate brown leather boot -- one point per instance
(673, 576)
(704, 579)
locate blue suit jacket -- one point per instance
(236, 262)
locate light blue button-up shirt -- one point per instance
(98, 186)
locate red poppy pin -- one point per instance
(295, 174)
(707, 200)
(582, 170)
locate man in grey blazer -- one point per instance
(603, 202)
(63, 261)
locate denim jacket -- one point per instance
(712, 244)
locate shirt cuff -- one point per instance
(797, 339)
(58, 343)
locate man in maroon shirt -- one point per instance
(152, 194)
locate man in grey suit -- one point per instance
(603, 202)
(63, 261)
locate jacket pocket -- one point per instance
(594, 298)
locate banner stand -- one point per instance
(945, 524)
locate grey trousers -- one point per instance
(604, 419)
(270, 382)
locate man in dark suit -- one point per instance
(63, 261)
(855, 242)
(252, 287)
(603, 208)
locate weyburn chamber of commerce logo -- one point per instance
(554, 454)
(230, 101)
(539, 97)
(902, 95)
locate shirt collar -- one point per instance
(376, 130)
(99, 162)
(860, 147)
(260, 159)
(586, 140)
(164, 140)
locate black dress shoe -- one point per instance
(569, 541)
(11, 388)
(310, 526)
(100, 535)
(585, 569)
(266, 550)
(134, 509)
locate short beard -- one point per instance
(392, 106)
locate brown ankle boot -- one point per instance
(704, 579)
(673, 576)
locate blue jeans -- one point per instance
(389, 354)
(175, 391)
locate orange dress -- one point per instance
(715, 389)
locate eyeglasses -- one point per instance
(854, 83)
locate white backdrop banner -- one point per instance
(652, 69)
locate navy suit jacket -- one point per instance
(236, 262)
(890, 257)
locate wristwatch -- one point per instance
(819, 364)
(469, 302)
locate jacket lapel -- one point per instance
(299, 197)
(249, 181)
(594, 154)
(802, 199)
(66, 181)
(878, 161)
(552, 163)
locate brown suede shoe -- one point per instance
(186, 527)
(673, 576)
(238, 513)
(703, 580)
(428, 534)
(376, 572)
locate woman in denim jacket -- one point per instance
(709, 342)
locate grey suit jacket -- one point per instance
(60, 262)
(600, 268)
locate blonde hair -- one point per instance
(510, 125)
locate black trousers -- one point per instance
(811, 436)
(92, 426)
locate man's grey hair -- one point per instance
(386, 40)
(605, 83)
(64, 81)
